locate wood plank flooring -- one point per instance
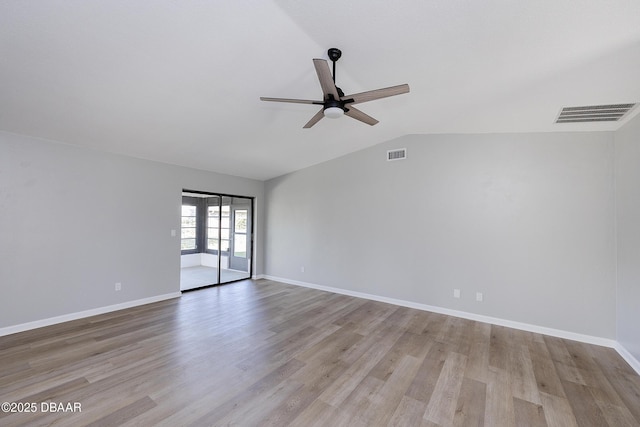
(265, 353)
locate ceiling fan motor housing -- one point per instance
(333, 109)
(329, 103)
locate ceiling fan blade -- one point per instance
(296, 101)
(354, 113)
(326, 81)
(375, 94)
(315, 119)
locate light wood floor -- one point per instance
(265, 353)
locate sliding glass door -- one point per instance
(225, 233)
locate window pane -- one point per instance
(188, 228)
(188, 233)
(241, 221)
(240, 245)
(225, 246)
(212, 212)
(188, 221)
(212, 232)
(188, 244)
(212, 244)
(188, 210)
(225, 233)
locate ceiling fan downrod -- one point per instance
(334, 54)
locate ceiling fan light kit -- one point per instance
(333, 112)
(335, 103)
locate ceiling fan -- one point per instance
(334, 102)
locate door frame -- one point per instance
(250, 232)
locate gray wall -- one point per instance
(73, 222)
(526, 219)
(627, 147)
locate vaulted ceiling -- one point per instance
(179, 81)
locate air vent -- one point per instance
(594, 113)
(399, 154)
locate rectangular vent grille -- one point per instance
(594, 113)
(399, 154)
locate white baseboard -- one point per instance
(462, 314)
(628, 357)
(82, 314)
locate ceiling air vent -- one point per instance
(594, 113)
(399, 154)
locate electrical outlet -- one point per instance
(479, 296)
(302, 269)
(173, 233)
(118, 286)
(456, 293)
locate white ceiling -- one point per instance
(179, 81)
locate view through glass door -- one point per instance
(240, 247)
(220, 228)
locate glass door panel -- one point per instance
(236, 250)
(212, 225)
(198, 268)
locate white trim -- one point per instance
(616, 266)
(628, 357)
(463, 314)
(87, 313)
(258, 277)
